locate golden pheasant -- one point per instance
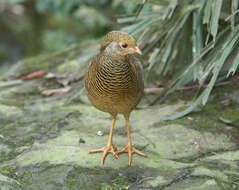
(114, 84)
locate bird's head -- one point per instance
(120, 42)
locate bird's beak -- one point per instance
(137, 50)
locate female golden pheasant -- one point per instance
(114, 84)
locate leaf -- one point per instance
(153, 90)
(140, 38)
(136, 28)
(153, 2)
(33, 75)
(172, 7)
(197, 34)
(234, 66)
(226, 52)
(208, 70)
(226, 121)
(234, 7)
(152, 45)
(179, 81)
(153, 58)
(183, 77)
(134, 18)
(204, 52)
(127, 19)
(197, 40)
(140, 9)
(207, 12)
(59, 91)
(175, 31)
(4, 84)
(216, 10)
(183, 80)
(185, 112)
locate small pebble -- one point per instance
(100, 133)
(81, 140)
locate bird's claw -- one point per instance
(130, 149)
(107, 149)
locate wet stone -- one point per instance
(45, 143)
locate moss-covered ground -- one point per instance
(44, 141)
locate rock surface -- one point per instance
(44, 143)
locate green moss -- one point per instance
(8, 170)
(11, 102)
(44, 62)
(68, 67)
(230, 114)
(219, 91)
(5, 154)
(207, 117)
(212, 107)
(204, 123)
(119, 182)
(172, 99)
(26, 177)
(9, 110)
(89, 171)
(88, 178)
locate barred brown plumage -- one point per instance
(114, 84)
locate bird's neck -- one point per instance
(114, 62)
(116, 57)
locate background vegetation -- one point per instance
(189, 41)
(37, 26)
(186, 42)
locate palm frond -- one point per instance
(189, 39)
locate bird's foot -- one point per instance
(107, 149)
(130, 149)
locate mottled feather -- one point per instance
(114, 84)
(114, 81)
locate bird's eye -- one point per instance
(124, 45)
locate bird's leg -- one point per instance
(109, 147)
(129, 147)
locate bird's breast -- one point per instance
(113, 86)
(113, 77)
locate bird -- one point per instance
(114, 84)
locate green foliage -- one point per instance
(54, 40)
(121, 182)
(72, 21)
(69, 6)
(191, 41)
(5, 3)
(38, 26)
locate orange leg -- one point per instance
(129, 147)
(109, 147)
